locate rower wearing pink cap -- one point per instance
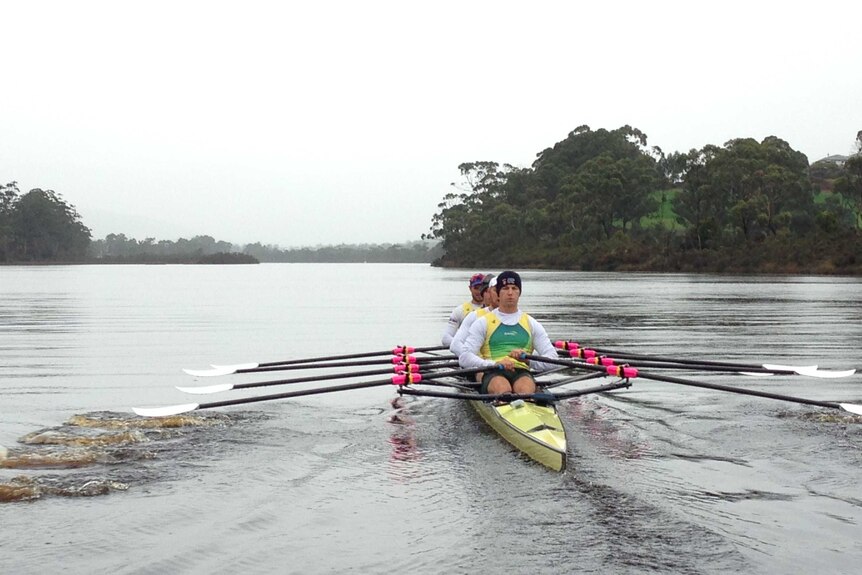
(477, 284)
(490, 299)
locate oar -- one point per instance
(400, 368)
(573, 349)
(631, 372)
(398, 350)
(394, 360)
(538, 397)
(607, 360)
(573, 379)
(404, 379)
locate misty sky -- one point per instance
(311, 123)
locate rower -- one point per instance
(499, 339)
(489, 299)
(459, 313)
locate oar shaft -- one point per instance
(394, 359)
(398, 380)
(680, 381)
(539, 396)
(598, 389)
(347, 356)
(299, 393)
(575, 379)
(739, 390)
(692, 366)
(329, 377)
(620, 354)
(343, 387)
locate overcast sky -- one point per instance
(306, 123)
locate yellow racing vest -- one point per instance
(500, 339)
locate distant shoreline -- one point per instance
(147, 259)
(772, 271)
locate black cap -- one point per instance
(508, 278)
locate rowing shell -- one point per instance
(536, 430)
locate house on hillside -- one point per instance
(835, 159)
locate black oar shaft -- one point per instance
(696, 366)
(716, 386)
(619, 354)
(539, 396)
(344, 387)
(288, 394)
(328, 377)
(346, 356)
(284, 367)
(470, 396)
(740, 390)
(598, 389)
(568, 380)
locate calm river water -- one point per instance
(661, 477)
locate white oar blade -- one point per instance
(807, 370)
(205, 389)
(165, 411)
(852, 408)
(825, 374)
(237, 366)
(796, 368)
(209, 372)
(756, 373)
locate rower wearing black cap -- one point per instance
(498, 339)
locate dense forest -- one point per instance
(597, 200)
(39, 226)
(604, 200)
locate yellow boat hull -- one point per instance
(535, 430)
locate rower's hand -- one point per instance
(518, 354)
(507, 364)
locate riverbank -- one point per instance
(815, 255)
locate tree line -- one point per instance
(40, 226)
(409, 252)
(599, 199)
(117, 248)
(606, 200)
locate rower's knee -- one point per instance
(524, 384)
(499, 384)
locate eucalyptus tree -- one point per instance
(584, 188)
(8, 197)
(849, 185)
(44, 227)
(745, 190)
(602, 182)
(697, 206)
(465, 218)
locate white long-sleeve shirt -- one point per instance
(457, 343)
(469, 357)
(456, 318)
